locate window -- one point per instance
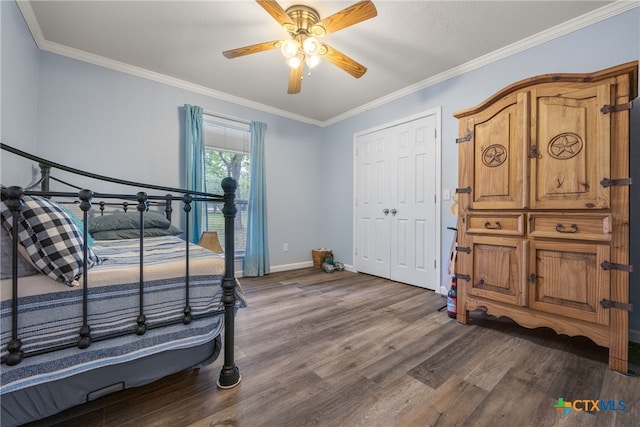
(227, 153)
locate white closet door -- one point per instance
(413, 221)
(373, 192)
(397, 233)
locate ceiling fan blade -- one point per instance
(351, 15)
(254, 48)
(295, 80)
(274, 9)
(343, 61)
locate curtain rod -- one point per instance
(222, 116)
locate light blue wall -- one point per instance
(117, 124)
(585, 50)
(18, 90)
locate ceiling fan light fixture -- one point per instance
(312, 61)
(290, 48)
(295, 61)
(311, 46)
(304, 26)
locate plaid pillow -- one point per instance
(51, 238)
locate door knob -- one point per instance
(385, 211)
(393, 211)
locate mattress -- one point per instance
(50, 313)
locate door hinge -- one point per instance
(606, 182)
(464, 277)
(466, 190)
(615, 108)
(465, 249)
(613, 304)
(606, 265)
(465, 138)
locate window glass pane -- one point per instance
(227, 154)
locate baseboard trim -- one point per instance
(287, 267)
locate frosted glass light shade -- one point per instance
(290, 48)
(295, 61)
(312, 61)
(311, 46)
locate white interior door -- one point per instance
(397, 230)
(373, 192)
(414, 199)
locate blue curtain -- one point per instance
(194, 140)
(256, 258)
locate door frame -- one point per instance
(437, 113)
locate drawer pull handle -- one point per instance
(497, 226)
(560, 229)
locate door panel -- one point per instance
(498, 265)
(573, 148)
(413, 225)
(396, 173)
(498, 152)
(372, 225)
(568, 279)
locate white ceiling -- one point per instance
(408, 46)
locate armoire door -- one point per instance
(492, 156)
(397, 234)
(570, 138)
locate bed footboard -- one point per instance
(13, 199)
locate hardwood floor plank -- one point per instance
(347, 349)
(387, 404)
(449, 405)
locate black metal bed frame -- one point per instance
(12, 196)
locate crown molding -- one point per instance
(101, 61)
(565, 28)
(575, 24)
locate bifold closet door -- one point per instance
(396, 203)
(374, 155)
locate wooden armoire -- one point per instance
(543, 225)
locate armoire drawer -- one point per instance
(496, 223)
(591, 226)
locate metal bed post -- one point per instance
(85, 330)
(14, 347)
(186, 313)
(141, 326)
(230, 374)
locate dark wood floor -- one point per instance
(346, 349)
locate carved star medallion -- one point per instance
(565, 146)
(494, 155)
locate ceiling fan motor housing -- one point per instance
(304, 18)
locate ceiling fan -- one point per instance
(304, 25)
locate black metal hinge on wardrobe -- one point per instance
(606, 265)
(606, 182)
(464, 277)
(466, 190)
(615, 108)
(465, 249)
(465, 138)
(605, 303)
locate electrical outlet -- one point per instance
(285, 247)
